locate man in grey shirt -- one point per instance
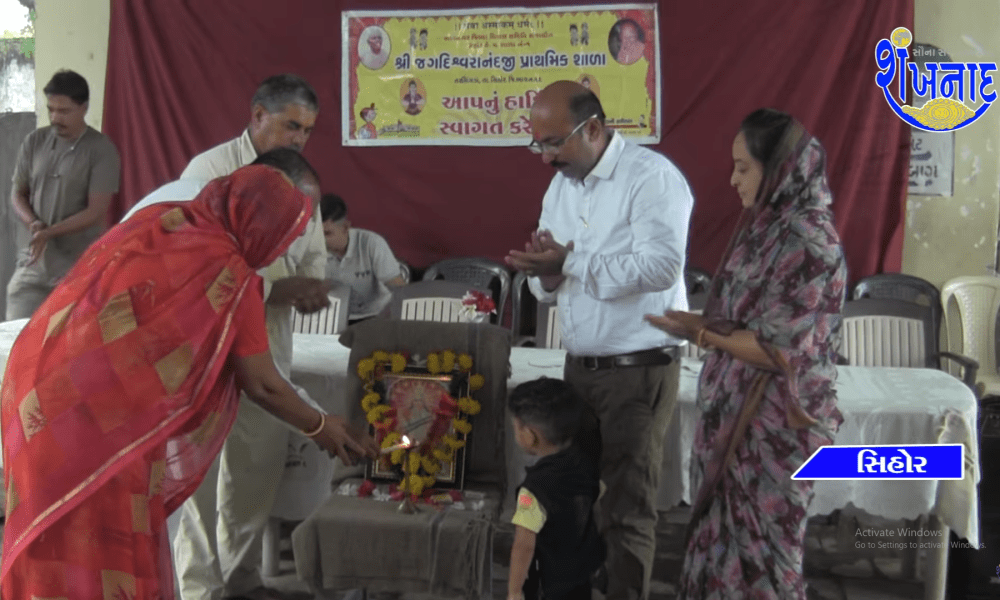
(65, 176)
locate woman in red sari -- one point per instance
(121, 389)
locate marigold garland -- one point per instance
(423, 463)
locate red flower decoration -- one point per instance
(482, 302)
(366, 488)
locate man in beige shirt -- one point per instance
(65, 176)
(218, 549)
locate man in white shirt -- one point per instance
(610, 248)
(360, 259)
(218, 549)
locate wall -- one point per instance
(72, 34)
(947, 237)
(17, 72)
(943, 236)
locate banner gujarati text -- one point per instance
(470, 77)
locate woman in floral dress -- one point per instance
(772, 328)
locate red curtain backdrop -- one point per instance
(181, 74)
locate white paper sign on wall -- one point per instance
(932, 163)
(932, 154)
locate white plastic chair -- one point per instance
(436, 300)
(971, 305)
(549, 334)
(329, 321)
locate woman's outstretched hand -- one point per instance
(678, 323)
(349, 443)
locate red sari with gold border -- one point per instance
(118, 394)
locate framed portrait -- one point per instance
(420, 402)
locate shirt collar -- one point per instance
(247, 152)
(605, 167)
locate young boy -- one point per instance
(358, 258)
(555, 534)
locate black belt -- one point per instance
(655, 356)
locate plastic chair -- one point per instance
(905, 288)
(548, 333)
(404, 271)
(481, 273)
(329, 321)
(698, 281)
(523, 318)
(892, 333)
(971, 305)
(439, 301)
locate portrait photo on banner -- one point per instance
(468, 77)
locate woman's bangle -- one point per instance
(322, 424)
(700, 338)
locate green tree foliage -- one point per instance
(23, 41)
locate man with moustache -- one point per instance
(610, 248)
(64, 178)
(218, 549)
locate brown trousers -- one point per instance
(635, 405)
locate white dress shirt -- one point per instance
(182, 190)
(305, 257)
(628, 221)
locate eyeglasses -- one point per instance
(553, 147)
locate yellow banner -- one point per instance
(469, 77)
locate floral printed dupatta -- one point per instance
(126, 359)
(786, 248)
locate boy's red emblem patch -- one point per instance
(525, 501)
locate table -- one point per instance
(880, 406)
(445, 552)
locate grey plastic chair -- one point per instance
(481, 273)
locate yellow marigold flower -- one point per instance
(366, 367)
(370, 401)
(452, 442)
(416, 486)
(462, 426)
(429, 482)
(391, 439)
(430, 465)
(380, 356)
(398, 363)
(476, 382)
(469, 406)
(447, 361)
(376, 414)
(464, 362)
(442, 454)
(414, 461)
(397, 456)
(434, 363)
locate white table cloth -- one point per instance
(880, 406)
